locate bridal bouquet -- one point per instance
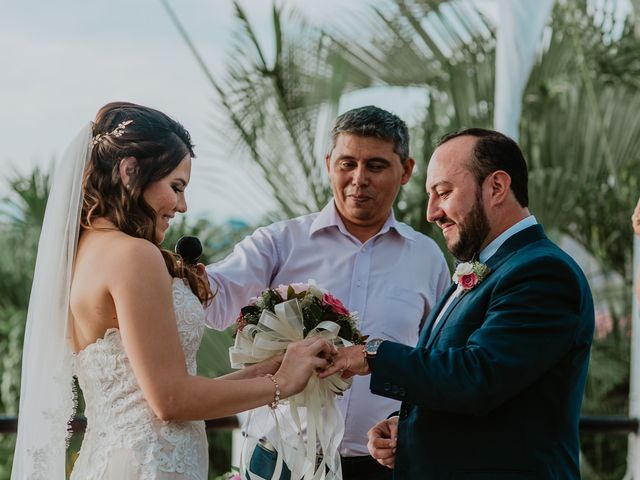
(265, 327)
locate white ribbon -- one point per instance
(324, 425)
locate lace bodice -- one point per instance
(124, 438)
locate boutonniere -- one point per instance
(470, 274)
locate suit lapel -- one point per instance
(443, 320)
(424, 334)
(509, 247)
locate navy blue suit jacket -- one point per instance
(494, 390)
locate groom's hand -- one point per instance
(348, 362)
(383, 440)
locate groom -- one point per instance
(493, 388)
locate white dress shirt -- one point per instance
(392, 281)
(488, 251)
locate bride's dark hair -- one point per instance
(159, 144)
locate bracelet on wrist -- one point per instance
(276, 399)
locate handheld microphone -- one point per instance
(190, 249)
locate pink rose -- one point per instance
(468, 281)
(235, 477)
(335, 304)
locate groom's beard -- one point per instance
(472, 232)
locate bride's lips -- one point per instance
(166, 219)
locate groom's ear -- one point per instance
(128, 169)
(499, 183)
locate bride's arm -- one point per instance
(261, 369)
(142, 293)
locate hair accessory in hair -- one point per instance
(116, 132)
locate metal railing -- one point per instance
(612, 424)
(589, 424)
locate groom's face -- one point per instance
(456, 202)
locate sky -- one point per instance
(61, 61)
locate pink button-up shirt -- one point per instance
(392, 281)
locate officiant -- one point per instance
(355, 248)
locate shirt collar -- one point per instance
(329, 217)
(488, 251)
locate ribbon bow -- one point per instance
(269, 337)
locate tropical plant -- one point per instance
(607, 393)
(21, 214)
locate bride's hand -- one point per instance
(270, 365)
(301, 360)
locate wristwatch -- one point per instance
(371, 348)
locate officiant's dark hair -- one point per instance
(495, 151)
(159, 144)
(371, 121)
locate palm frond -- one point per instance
(273, 106)
(580, 132)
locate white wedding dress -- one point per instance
(124, 438)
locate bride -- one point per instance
(111, 307)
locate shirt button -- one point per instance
(386, 386)
(358, 283)
(394, 390)
(364, 249)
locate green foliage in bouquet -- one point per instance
(316, 306)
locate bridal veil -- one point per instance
(46, 394)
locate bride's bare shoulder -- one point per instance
(116, 250)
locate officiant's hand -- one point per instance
(348, 362)
(301, 360)
(383, 438)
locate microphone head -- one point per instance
(190, 249)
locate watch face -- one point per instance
(372, 346)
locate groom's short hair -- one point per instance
(495, 151)
(371, 121)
